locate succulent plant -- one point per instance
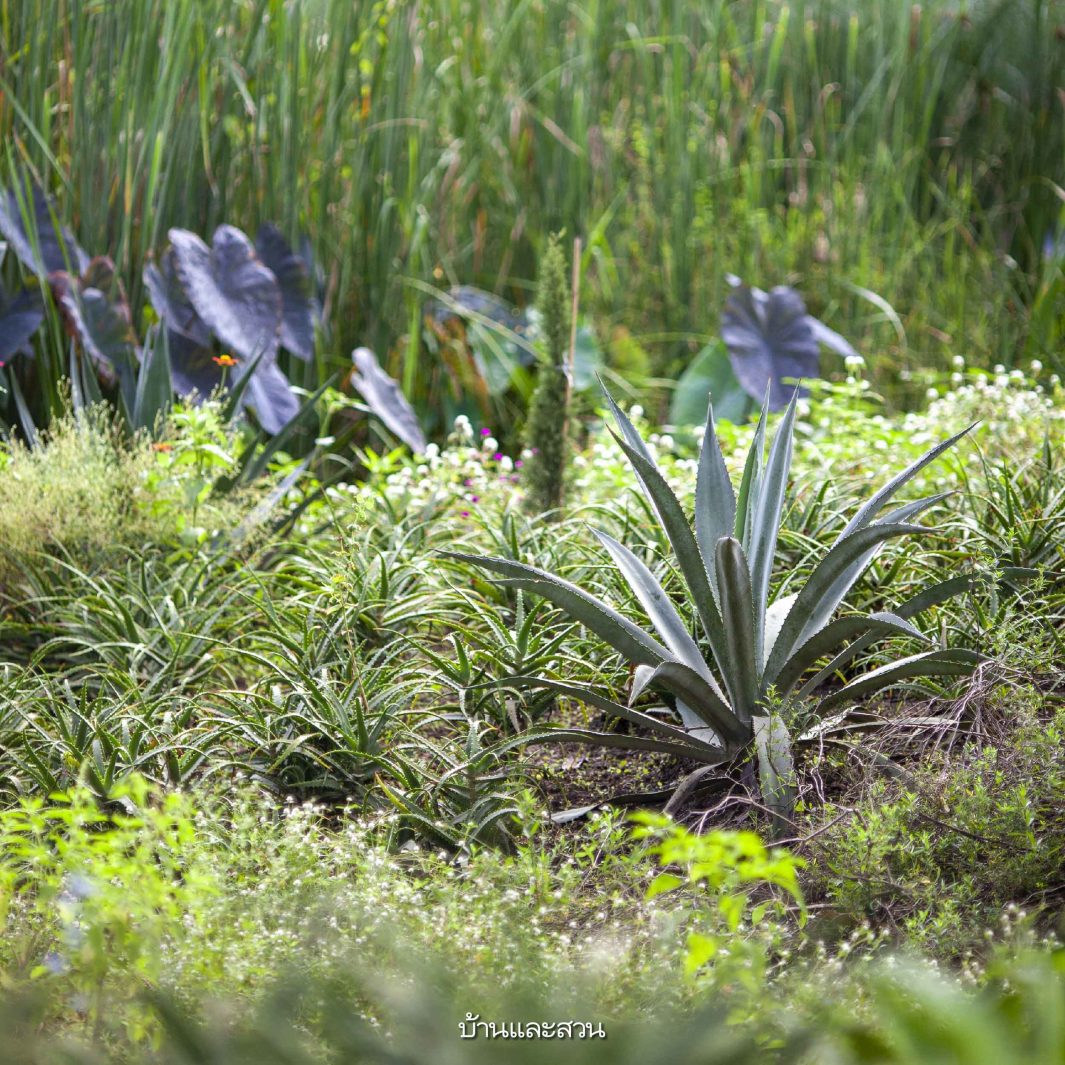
(735, 693)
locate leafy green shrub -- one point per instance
(728, 865)
(89, 493)
(88, 898)
(941, 857)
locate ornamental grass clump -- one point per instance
(737, 695)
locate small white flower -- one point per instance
(958, 362)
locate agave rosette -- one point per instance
(762, 654)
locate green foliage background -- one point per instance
(902, 164)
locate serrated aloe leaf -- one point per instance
(831, 636)
(869, 510)
(682, 539)
(625, 713)
(737, 608)
(628, 431)
(641, 677)
(769, 506)
(847, 579)
(680, 749)
(385, 398)
(816, 601)
(776, 769)
(594, 614)
(775, 614)
(715, 499)
(297, 302)
(929, 597)
(943, 663)
(689, 558)
(233, 292)
(749, 482)
(702, 699)
(660, 609)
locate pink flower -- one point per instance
(486, 432)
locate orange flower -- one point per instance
(224, 360)
(162, 447)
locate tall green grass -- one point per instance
(902, 164)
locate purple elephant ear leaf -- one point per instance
(466, 301)
(56, 249)
(298, 312)
(96, 314)
(830, 338)
(232, 291)
(769, 339)
(20, 318)
(271, 398)
(192, 367)
(171, 303)
(385, 398)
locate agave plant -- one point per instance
(737, 693)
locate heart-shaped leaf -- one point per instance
(20, 318)
(385, 398)
(41, 246)
(298, 311)
(469, 303)
(709, 376)
(171, 303)
(192, 367)
(195, 370)
(270, 396)
(96, 313)
(769, 338)
(232, 291)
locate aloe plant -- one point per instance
(736, 694)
